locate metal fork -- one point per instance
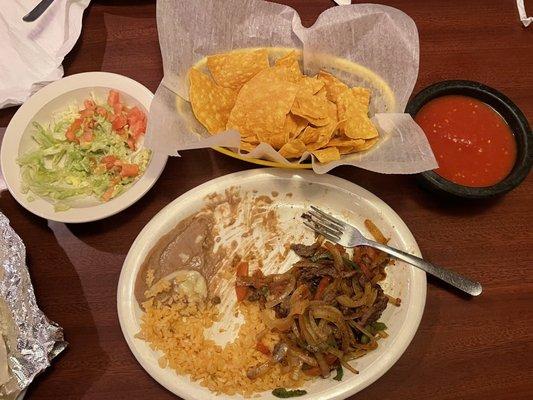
(346, 235)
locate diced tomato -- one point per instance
(111, 117)
(241, 291)
(262, 348)
(87, 136)
(119, 122)
(324, 282)
(71, 136)
(108, 193)
(87, 112)
(113, 98)
(117, 108)
(134, 114)
(89, 104)
(75, 125)
(129, 170)
(137, 122)
(108, 161)
(101, 111)
(138, 129)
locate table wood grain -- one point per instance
(465, 349)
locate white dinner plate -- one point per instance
(337, 196)
(57, 97)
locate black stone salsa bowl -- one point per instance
(514, 117)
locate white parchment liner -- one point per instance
(364, 45)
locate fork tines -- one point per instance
(324, 224)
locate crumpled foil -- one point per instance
(37, 339)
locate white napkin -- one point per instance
(522, 13)
(343, 2)
(31, 53)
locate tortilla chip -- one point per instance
(210, 102)
(334, 86)
(310, 85)
(345, 149)
(287, 60)
(248, 147)
(313, 108)
(294, 125)
(362, 95)
(276, 141)
(344, 141)
(366, 145)
(250, 139)
(322, 93)
(346, 145)
(293, 149)
(234, 69)
(318, 137)
(280, 106)
(263, 104)
(322, 134)
(293, 66)
(327, 155)
(310, 135)
(353, 113)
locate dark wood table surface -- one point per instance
(480, 348)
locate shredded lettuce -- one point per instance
(61, 171)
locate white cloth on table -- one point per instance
(522, 13)
(31, 53)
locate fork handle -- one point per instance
(460, 282)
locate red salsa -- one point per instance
(473, 144)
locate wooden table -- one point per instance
(464, 349)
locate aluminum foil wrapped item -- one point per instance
(28, 339)
(366, 45)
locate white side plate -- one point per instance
(57, 97)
